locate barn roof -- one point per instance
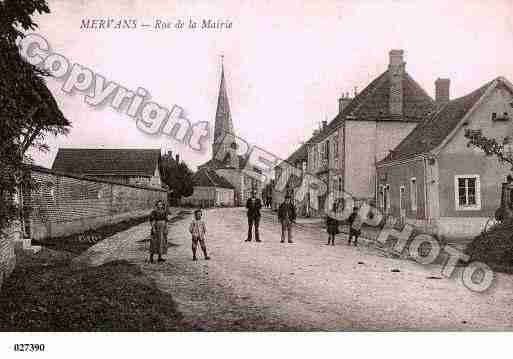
(107, 162)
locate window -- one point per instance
(335, 146)
(467, 192)
(385, 198)
(322, 153)
(413, 193)
(340, 184)
(401, 198)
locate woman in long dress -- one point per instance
(158, 220)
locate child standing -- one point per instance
(198, 231)
(355, 226)
(332, 226)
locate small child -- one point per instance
(332, 226)
(355, 226)
(198, 231)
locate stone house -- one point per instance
(345, 152)
(211, 190)
(432, 179)
(299, 160)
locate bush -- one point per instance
(494, 247)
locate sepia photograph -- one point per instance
(299, 177)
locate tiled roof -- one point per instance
(36, 168)
(301, 154)
(206, 177)
(431, 133)
(103, 162)
(373, 104)
(214, 163)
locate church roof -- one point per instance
(214, 163)
(207, 177)
(223, 121)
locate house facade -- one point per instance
(126, 166)
(432, 179)
(345, 151)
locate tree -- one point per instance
(490, 146)
(177, 176)
(28, 111)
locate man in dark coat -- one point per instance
(253, 205)
(287, 216)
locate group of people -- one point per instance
(286, 216)
(159, 230)
(355, 226)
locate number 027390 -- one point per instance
(29, 347)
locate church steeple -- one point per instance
(223, 122)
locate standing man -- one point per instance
(253, 205)
(287, 216)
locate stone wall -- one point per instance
(64, 204)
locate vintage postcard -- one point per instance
(255, 166)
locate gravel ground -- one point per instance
(306, 285)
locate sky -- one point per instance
(286, 62)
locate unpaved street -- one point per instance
(308, 285)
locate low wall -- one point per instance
(64, 204)
(7, 255)
(461, 227)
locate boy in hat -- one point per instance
(287, 216)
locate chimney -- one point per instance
(396, 74)
(442, 91)
(177, 158)
(343, 102)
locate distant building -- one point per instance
(128, 166)
(211, 190)
(433, 180)
(298, 160)
(225, 160)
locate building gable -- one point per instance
(436, 130)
